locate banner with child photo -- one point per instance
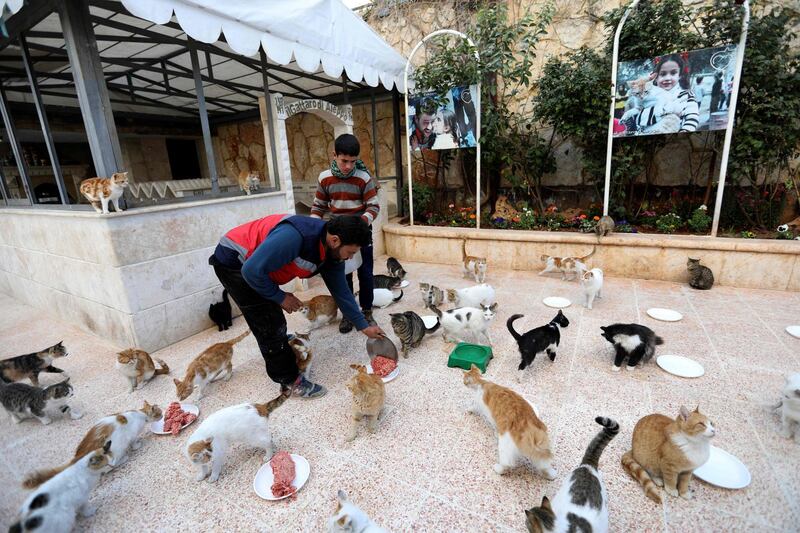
(443, 122)
(675, 93)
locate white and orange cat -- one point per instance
(215, 363)
(666, 451)
(249, 181)
(320, 311)
(473, 266)
(575, 266)
(138, 367)
(301, 346)
(101, 191)
(520, 432)
(369, 395)
(122, 430)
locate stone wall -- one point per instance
(310, 146)
(240, 147)
(145, 158)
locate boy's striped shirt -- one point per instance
(356, 195)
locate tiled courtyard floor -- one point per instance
(429, 466)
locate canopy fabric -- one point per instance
(313, 31)
(9, 7)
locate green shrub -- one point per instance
(669, 223)
(700, 221)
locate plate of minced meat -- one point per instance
(386, 368)
(176, 417)
(282, 476)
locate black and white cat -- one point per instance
(632, 341)
(459, 322)
(382, 281)
(395, 268)
(220, 313)
(25, 401)
(544, 339)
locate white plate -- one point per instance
(157, 427)
(386, 379)
(429, 320)
(405, 283)
(724, 470)
(667, 315)
(794, 331)
(262, 483)
(557, 302)
(680, 366)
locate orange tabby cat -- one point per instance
(665, 452)
(99, 191)
(249, 180)
(138, 367)
(369, 394)
(566, 265)
(520, 432)
(473, 266)
(216, 362)
(301, 346)
(319, 310)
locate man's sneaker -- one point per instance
(345, 326)
(368, 316)
(305, 389)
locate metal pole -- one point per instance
(3, 188)
(726, 148)
(16, 147)
(201, 102)
(45, 125)
(398, 157)
(374, 133)
(270, 118)
(345, 99)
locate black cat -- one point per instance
(382, 281)
(395, 268)
(634, 341)
(220, 312)
(543, 339)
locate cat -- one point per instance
(543, 339)
(431, 295)
(520, 432)
(566, 265)
(636, 342)
(382, 281)
(384, 298)
(220, 312)
(395, 268)
(124, 430)
(25, 401)
(138, 367)
(472, 296)
(665, 452)
(410, 329)
(504, 209)
(789, 408)
(592, 283)
(348, 518)
(100, 191)
(700, 277)
(604, 226)
(301, 346)
(213, 364)
(30, 365)
(473, 266)
(247, 423)
(581, 503)
(249, 181)
(456, 322)
(369, 395)
(320, 311)
(52, 508)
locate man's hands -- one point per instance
(291, 303)
(373, 332)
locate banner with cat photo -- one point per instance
(443, 122)
(675, 93)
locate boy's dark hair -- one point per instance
(350, 229)
(347, 144)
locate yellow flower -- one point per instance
(472, 215)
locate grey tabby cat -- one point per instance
(432, 296)
(382, 281)
(410, 329)
(395, 268)
(24, 401)
(29, 365)
(604, 226)
(700, 277)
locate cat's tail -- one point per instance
(463, 250)
(264, 409)
(659, 341)
(638, 473)
(435, 310)
(590, 254)
(225, 296)
(240, 337)
(41, 476)
(164, 368)
(399, 297)
(438, 321)
(600, 441)
(510, 326)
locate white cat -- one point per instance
(457, 323)
(592, 283)
(789, 408)
(52, 507)
(384, 297)
(474, 296)
(247, 423)
(349, 518)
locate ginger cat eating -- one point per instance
(216, 362)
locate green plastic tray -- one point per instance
(464, 355)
